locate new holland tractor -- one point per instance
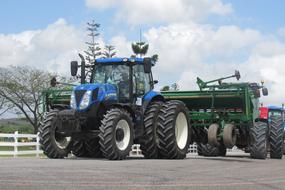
(116, 107)
(224, 115)
(274, 116)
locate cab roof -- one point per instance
(119, 60)
(275, 108)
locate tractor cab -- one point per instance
(120, 80)
(129, 76)
(266, 113)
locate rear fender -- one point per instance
(150, 97)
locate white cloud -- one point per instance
(122, 45)
(188, 50)
(51, 48)
(100, 4)
(137, 12)
(193, 47)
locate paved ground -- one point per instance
(195, 173)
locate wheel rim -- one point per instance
(61, 141)
(123, 134)
(181, 130)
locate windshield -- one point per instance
(112, 74)
(275, 113)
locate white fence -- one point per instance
(17, 140)
(32, 140)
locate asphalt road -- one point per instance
(195, 173)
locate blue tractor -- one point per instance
(274, 116)
(114, 109)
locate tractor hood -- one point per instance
(86, 95)
(87, 87)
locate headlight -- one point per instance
(85, 100)
(72, 101)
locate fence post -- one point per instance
(38, 144)
(16, 144)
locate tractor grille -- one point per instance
(78, 95)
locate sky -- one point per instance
(205, 38)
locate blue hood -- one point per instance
(87, 87)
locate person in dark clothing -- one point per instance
(124, 88)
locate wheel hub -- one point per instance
(123, 135)
(181, 130)
(62, 141)
(119, 134)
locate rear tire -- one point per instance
(53, 144)
(258, 133)
(276, 138)
(149, 145)
(173, 130)
(116, 134)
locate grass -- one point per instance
(20, 148)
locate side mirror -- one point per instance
(53, 82)
(265, 91)
(237, 74)
(74, 68)
(155, 81)
(147, 65)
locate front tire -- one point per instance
(173, 130)
(276, 138)
(53, 144)
(116, 134)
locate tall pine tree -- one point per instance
(93, 48)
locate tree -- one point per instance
(175, 87)
(4, 106)
(140, 48)
(165, 88)
(21, 87)
(155, 58)
(109, 51)
(93, 49)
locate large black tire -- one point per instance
(78, 149)
(199, 149)
(259, 134)
(222, 150)
(208, 150)
(87, 148)
(149, 145)
(276, 137)
(93, 148)
(173, 129)
(115, 142)
(53, 144)
(283, 148)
